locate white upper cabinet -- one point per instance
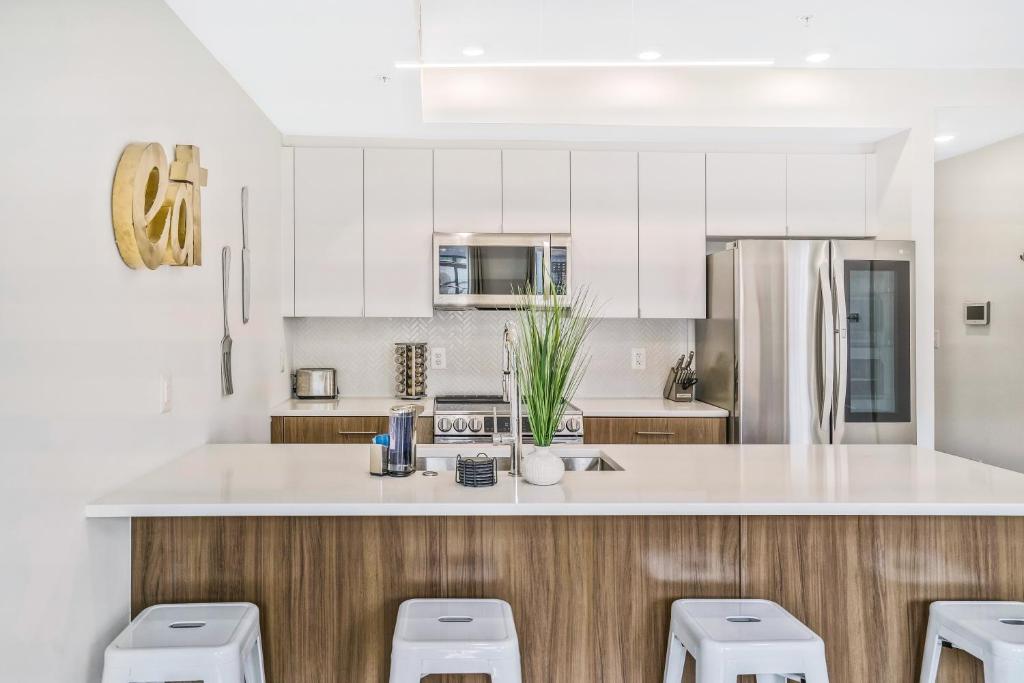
(467, 190)
(535, 190)
(827, 195)
(604, 230)
(287, 231)
(672, 243)
(328, 231)
(398, 232)
(746, 195)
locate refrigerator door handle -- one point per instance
(826, 350)
(841, 369)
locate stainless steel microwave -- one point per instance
(487, 270)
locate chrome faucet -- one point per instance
(510, 393)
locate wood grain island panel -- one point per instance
(591, 595)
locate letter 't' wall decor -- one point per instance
(156, 206)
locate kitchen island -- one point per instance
(854, 540)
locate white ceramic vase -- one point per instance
(542, 467)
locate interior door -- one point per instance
(874, 296)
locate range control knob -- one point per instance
(476, 424)
(444, 424)
(573, 424)
(460, 424)
(561, 426)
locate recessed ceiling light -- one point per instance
(945, 137)
(817, 57)
(649, 55)
(472, 51)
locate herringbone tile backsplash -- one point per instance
(361, 350)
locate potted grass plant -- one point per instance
(550, 364)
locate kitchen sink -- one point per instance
(441, 457)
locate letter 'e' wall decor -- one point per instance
(156, 209)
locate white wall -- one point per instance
(979, 371)
(84, 339)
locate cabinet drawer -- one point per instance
(654, 430)
(340, 430)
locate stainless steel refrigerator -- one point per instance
(811, 341)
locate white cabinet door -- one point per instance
(604, 230)
(288, 231)
(398, 229)
(535, 190)
(827, 195)
(672, 242)
(746, 195)
(328, 231)
(467, 190)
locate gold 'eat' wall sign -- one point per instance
(156, 208)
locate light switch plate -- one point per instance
(438, 359)
(638, 359)
(165, 394)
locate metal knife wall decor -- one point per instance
(155, 207)
(246, 258)
(226, 385)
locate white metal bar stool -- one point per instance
(730, 638)
(455, 637)
(991, 631)
(211, 642)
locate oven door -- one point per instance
(489, 271)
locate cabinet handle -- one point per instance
(356, 433)
(655, 433)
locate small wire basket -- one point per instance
(476, 471)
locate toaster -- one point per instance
(315, 383)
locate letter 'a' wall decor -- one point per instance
(156, 208)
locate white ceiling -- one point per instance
(314, 66)
(861, 33)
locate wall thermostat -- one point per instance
(976, 312)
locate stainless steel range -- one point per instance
(471, 419)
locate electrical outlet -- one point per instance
(282, 359)
(438, 359)
(638, 359)
(165, 394)
(938, 339)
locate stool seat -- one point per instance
(455, 636)
(992, 631)
(730, 638)
(211, 642)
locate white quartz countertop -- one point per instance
(354, 406)
(646, 407)
(347, 406)
(304, 480)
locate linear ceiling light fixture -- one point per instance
(557, 64)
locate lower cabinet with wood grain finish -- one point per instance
(591, 595)
(654, 430)
(342, 430)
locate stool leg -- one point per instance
(675, 660)
(816, 672)
(932, 653)
(1002, 670)
(253, 663)
(506, 671)
(404, 671)
(711, 669)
